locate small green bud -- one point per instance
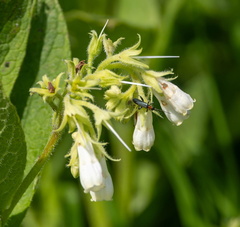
(118, 101)
(110, 46)
(70, 69)
(95, 45)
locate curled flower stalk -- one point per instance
(119, 79)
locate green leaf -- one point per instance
(14, 30)
(47, 47)
(12, 151)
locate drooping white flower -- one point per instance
(143, 136)
(175, 103)
(90, 169)
(106, 192)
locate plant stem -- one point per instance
(43, 158)
(53, 106)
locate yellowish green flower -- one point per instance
(48, 88)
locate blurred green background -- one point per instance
(190, 178)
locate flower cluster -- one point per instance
(119, 79)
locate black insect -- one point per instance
(143, 104)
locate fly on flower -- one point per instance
(146, 105)
(143, 104)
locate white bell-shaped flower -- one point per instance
(143, 135)
(90, 169)
(106, 192)
(175, 103)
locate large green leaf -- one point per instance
(14, 30)
(47, 47)
(12, 151)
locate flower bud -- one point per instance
(110, 46)
(143, 136)
(95, 45)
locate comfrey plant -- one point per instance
(124, 82)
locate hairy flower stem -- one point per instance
(43, 158)
(53, 106)
(90, 64)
